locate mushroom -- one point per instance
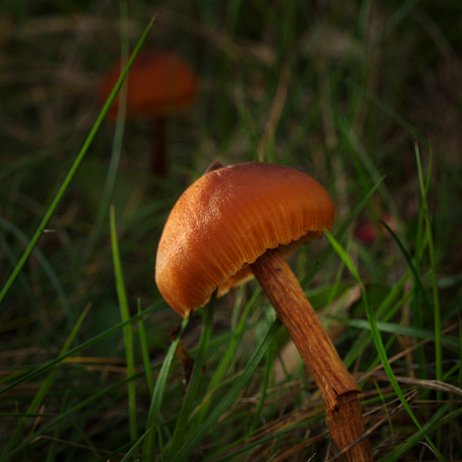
(238, 221)
(160, 84)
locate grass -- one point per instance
(127, 330)
(94, 365)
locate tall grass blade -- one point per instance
(410, 263)
(75, 165)
(343, 227)
(424, 187)
(43, 262)
(397, 329)
(348, 222)
(154, 418)
(386, 310)
(127, 329)
(399, 15)
(377, 337)
(228, 399)
(226, 360)
(118, 134)
(412, 440)
(131, 453)
(144, 346)
(190, 397)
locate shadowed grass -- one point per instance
(75, 165)
(342, 93)
(44, 389)
(20, 378)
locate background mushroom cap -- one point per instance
(228, 218)
(159, 83)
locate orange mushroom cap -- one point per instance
(159, 83)
(227, 219)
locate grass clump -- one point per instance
(365, 98)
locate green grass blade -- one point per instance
(377, 338)
(154, 418)
(267, 376)
(127, 329)
(385, 311)
(404, 10)
(346, 224)
(129, 455)
(227, 358)
(409, 261)
(198, 414)
(190, 398)
(399, 451)
(228, 399)
(45, 385)
(144, 347)
(75, 165)
(424, 186)
(43, 262)
(343, 227)
(364, 158)
(118, 135)
(397, 329)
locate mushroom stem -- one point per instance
(159, 164)
(338, 389)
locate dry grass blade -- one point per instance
(275, 112)
(436, 385)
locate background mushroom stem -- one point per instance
(159, 163)
(338, 389)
